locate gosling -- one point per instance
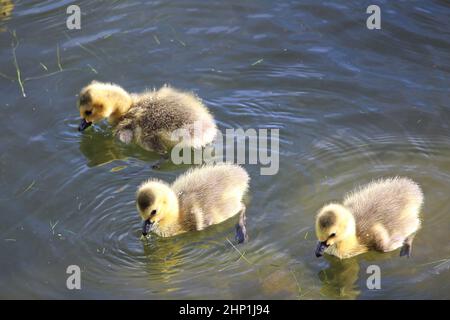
(199, 198)
(156, 120)
(382, 216)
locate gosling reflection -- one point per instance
(280, 283)
(173, 261)
(163, 259)
(339, 279)
(6, 8)
(100, 147)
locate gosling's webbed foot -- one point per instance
(241, 230)
(406, 250)
(157, 165)
(241, 233)
(407, 246)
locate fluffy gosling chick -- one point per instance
(6, 8)
(382, 215)
(197, 199)
(148, 118)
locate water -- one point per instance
(351, 105)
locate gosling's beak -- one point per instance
(146, 226)
(321, 246)
(83, 125)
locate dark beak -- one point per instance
(321, 246)
(83, 125)
(146, 226)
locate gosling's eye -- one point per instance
(88, 112)
(153, 212)
(333, 235)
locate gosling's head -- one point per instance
(98, 101)
(157, 205)
(334, 223)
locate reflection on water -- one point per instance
(6, 8)
(351, 104)
(279, 283)
(339, 278)
(162, 261)
(101, 147)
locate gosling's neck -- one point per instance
(170, 224)
(350, 245)
(121, 105)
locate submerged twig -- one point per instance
(26, 189)
(118, 168)
(440, 262)
(58, 57)
(50, 74)
(92, 69)
(29, 187)
(52, 226)
(300, 295)
(69, 231)
(83, 47)
(88, 50)
(7, 77)
(181, 42)
(16, 64)
(296, 281)
(257, 62)
(176, 36)
(43, 66)
(242, 255)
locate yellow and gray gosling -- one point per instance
(382, 215)
(6, 8)
(199, 198)
(148, 118)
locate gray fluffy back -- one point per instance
(394, 203)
